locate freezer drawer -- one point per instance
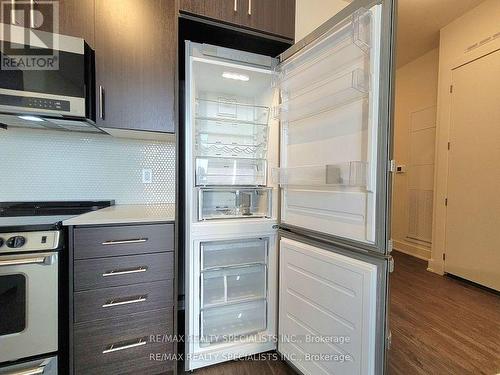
(234, 203)
(230, 171)
(225, 323)
(233, 284)
(219, 254)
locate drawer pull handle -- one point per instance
(125, 272)
(120, 302)
(113, 348)
(122, 242)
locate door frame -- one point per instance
(385, 135)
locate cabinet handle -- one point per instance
(101, 102)
(235, 5)
(113, 348)
(113, 303)
(124, 272)
(249, 7)
(122, 242)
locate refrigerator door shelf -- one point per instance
(331, 176)
(227, 323)
(234, 203)
(220, 254)
(230, 172)
(334, 52)
(227, 109)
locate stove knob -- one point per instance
(1, 241)
(16, 242)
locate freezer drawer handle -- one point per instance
(31, 371)
(122, 242)
(113, 348)
(23, 261)
(120, 302)
(125, 272)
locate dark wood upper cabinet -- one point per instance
(76, 18)
(136, 46)
(276, 17)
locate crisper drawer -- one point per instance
(124, 270)
(216, 254)
(223, 323)
(234, 203)
(117, 301)
(233, 284)
(100, 242)
(123, 345)
(230, 171)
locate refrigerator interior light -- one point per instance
(236, 76)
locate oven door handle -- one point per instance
(31, 371)
(42, 259)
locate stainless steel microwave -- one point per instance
(47, 81)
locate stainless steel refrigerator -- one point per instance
(287, 198)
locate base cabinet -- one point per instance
(122, 301)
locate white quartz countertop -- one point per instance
(126, 213)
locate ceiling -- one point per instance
(419, 22)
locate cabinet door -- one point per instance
(135, 64)
(271, 16)
(77, 18)
(229, 11)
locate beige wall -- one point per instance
(473, 27)
(414, 132)
(310, 14)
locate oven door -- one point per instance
(28, 305)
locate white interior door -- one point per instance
(327, 310)
(472, 241)
(335, 126)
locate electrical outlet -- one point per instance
(147, 176)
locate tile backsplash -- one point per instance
(52, 165)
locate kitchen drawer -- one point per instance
(118, 301)
(124, 270)
(100, 242)
(217, 254)
(123, 345)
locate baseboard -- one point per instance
(413, 250)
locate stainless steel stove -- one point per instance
(32, 281)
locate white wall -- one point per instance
(414, 132)
(478, 25)
(309, 14)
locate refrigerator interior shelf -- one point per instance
(232, 150)
(351, 42)
(348, 174)
(225, 109)
(211, 171)
(324, 96)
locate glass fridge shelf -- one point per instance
(349, 174)
(225, 109)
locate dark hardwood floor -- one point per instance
(440, 326)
